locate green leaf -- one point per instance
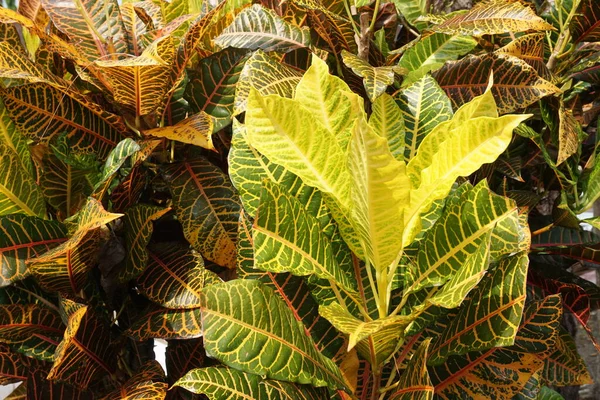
(208, 208)
(138, 230)
(375, 79)
(590, 188)
(213, 84)
(295, 244)
(175, 277)
(292, 290)
(412, 10)
(490, 317)
(67, 271)
(585, 25)
(43, 111)
(380, 189)
(227, 383)
(19, 192)
(237, 314)
(164, 323)
(386, 120)
(23, 237)
(502, 372)
(39, 347)
(424, 105)
(493, 17)
(261, 28)
(469, 217)
(565, 366)
(13, 138)
(117, 157)
(431, 52)
(516, 84)
(414, 383)
(291, 135)
(266, 74)
(248, 169)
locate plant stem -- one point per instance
(372, 284)
(374, 19)
(382, 289)
(542, 230)
(40, 298)
(376, 384)
(349, 12)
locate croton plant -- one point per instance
(337, 199)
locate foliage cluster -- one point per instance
(307, 199)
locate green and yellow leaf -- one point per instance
(251, 312)
(175, 277)
(493, 17)
(257, 27)
(208, 207)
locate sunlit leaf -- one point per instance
(267, 75)
(208, 207)
(458, 147)
(375, 79)
(387, 121)
(43, 111)
(251, 312)
(260, 28)
(196, 129)
(493, 17)
(288, 134)
(490, 317)
(516, 84)
(95, 27)
(141, 83)
(296, 244)
(380, 189)
(431, 52)
(529, 48)
(424, 105)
